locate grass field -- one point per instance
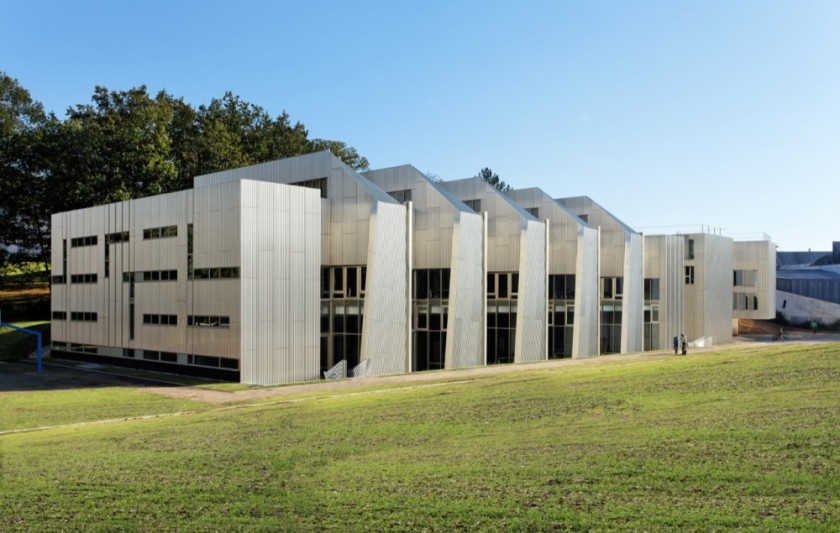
(741, 439)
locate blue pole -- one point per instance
(31, 332)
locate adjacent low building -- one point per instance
(302, 268)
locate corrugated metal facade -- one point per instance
(384, 334)
(757, 261)
(573, 250)
(621, 257)
(515, 244)
(281, 260)
(531, 319)
(664, 255)
(447, 235)
(124, 285)
(708, 287)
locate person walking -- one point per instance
(676, 344)
(684, 343)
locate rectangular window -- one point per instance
(83, 316)
(475, 205)
(160, 233)
(689, 249)
(205, 321)
(744, 278)
(689, 275)
(115, 238)
(401, 196)
(651, 288)
(59, 315)
(83, 278)
(163, 320)
(78, 242)
(58, 280)
(320, 184)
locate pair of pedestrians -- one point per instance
(681, 341)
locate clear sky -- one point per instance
(724, 113)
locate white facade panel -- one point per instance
(384, 332)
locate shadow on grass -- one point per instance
(22, 375)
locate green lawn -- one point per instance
(739, 439)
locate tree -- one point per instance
(24, 221)
(121, 147)
(493, 179)
(348, 154)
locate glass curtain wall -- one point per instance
(612, 293)
(561, 314)
(342, 314)
(502, 294)
(651, 319)
(430, 317)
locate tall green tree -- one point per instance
(122, 145)
(493, 179)
(24, 189)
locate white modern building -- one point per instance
(621, 271)
(573, 304)
(302, 268)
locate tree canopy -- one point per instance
(493, 179)
(124, 145)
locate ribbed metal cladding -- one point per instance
(708, 301)
(759, 256)
(447, 234)
(632, 334)
(280, 257)
(515, 243)
(574, 250)
(216, 220)
(531, 317)
(384, 328)
(465, 339)
(586, 339)
(621, 256)
(664, 256)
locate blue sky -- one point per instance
(721, 113)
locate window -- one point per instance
(343, 281)
(160, 233)
(585, 218)
(202, 321)
(744, 278)
(150, 275)
(78, 242)
(83, 316)
(162, 320)
(59, 315)
(651, 288)
(689, 275)
(534, 211)
(502, 285)
(561, 287)
(689, 249)
(83, 278)
(401, 196)
(115, 238)
(612, 288)
(319, 184)
(475, 205)
(216, 273)
(58, 280)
